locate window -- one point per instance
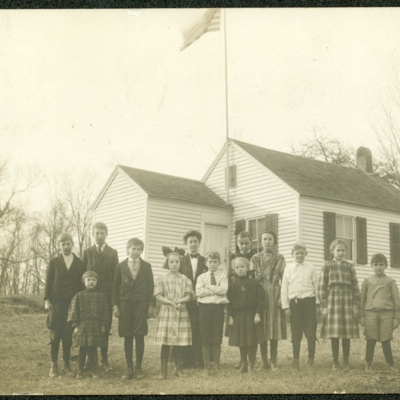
(256, 226)
(353, 230)
(232, 176)
(345, 230)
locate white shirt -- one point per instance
(68, 260)
(102, 247)
(299, 281)
(133, 266)
(194, 262)
(216, 295)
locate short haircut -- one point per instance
(243, 235)
(377, 258)
(242, 259)
(214, 255)
(100, 225)
(335, 243)
(271, 233)
(189, 234)
(298, 246)
(135, 242)
(165, 265)
(89, 274)
(64, 237)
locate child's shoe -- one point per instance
(238, 365)
(368, 366)
(67, 367)
(95, 375)
(335, 366)
(391, 367)
(264, 366)
(53, 370)
(79, 375)
(310, 363)
(273, 365)
(164, 369)
(295, 364)
(138, 372)
(244, 368)
(106, 366)
(346, 366)
(128, 374)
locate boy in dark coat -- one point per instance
(103, 260)
(63, 281)
(132, 298)
(193, 265)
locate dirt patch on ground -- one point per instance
(14, 304)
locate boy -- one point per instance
(193, 265)
(300, 302)
(379, 310)
(211, 289)
(132, 298)
(103, 260)
(63, 281)
(243, 249)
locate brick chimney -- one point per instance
(364, 159)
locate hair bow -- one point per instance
(167, 250)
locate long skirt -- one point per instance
(379, 325)
(275, 326)
(340, 321)
(244, 331)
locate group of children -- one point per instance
(261, 295)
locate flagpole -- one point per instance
(227, 137)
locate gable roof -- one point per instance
(327, 181)
(173, 187)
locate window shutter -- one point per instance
(232, 176)
(240, 225)
(394, 244)
(361, 235)
(329, 232)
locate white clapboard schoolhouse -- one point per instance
(299, 198)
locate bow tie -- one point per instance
(194, 255)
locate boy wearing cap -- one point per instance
(300, 301)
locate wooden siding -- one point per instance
(168, 220)
(257, 193)
(122, 208)
(311, 222)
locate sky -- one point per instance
(89, 89)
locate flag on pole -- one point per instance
(208, 23)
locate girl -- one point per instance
(269, 267)
(338, 296)
(88, 314)
(379, 310)
(246, 297)
(173, 290)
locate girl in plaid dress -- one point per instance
(269, 267)
(173, 331)
(88, 314)
(339, 295)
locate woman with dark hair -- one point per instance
(269, 266)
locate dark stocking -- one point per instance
(55, 345)
(335, 350)
(92, 353)
(346, 349)
(252, 351)
(264, 352)
(206, 356)
(216, 353)
(311, 349)
(296, 350)
(178, 356)
(82, 357)
(66, 351)
(243, 355)
(128, 346)
(369, 352)
(274, 350)
(104, 350)
(387, 351)
(165, 352)
(139, 347)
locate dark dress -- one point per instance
(246, 298)
(89, 312)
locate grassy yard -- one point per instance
(25, 362)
